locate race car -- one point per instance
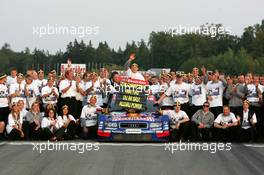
(125, 122)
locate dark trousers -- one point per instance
(4, 112)
(260, 119)
(71, 131)
(198, 134)
(182, 132)
(30, 131)
(47, 134)
(246, 135)
(226, 135)
(91, 134)
(72, 104)
(14, 135)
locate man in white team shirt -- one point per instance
(132, 70)
(215, 89)
(68, 90)
(31, 92)
(4, 108)
(226, 126)
(17, 90)
(49, 94)
(179, 92)
(178, 123)
(12, 78)
(41, 81)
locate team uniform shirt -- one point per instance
(52, 99)
(11, 80)
(79, 96)
(33, 94)
(252, 93)
(89, 115)
(3, 96)
(173, 82)
(23, 114)
(96, 91)
(167, 101)
(46, 123)
(108, 83)
(198, 94)
(179, 92)
(155, 88)
(245, 123)
(175, 117)
(222, 120)
(17, 87)
(41, 83)
(215, 90)
(71, 91)
(133, 75)
(11, 122)
(63, 119)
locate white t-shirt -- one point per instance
(133, 75)
(17, 87)
(221, 119)
(97, 91)
(46, 123)
(79, 96)
(3, 96)
(41, 83)
(64, 118)
(174, 116)
(11, 80)
(167, 101)
(33, 93)
(252, 93)
(89, 114)
(179, 92)
(71, 91)
(215, 90)
(51, 98)
(198, 93)
(11, 122)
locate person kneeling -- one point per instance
(89, 119)
(51, 127)
(247, 120)
(14, 125)
(226, 126)
(68, 123)
(202, 122)
(178, 123)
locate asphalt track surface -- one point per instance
(129, 159)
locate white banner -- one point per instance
(76, 68)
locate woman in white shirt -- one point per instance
(14, 124)
(52, 127)
(68, 123)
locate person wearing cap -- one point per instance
(32, 124)
(31, 92)
(41, 81)
(132, 69)
(179, 92)
(14, 124)
(215, 92)
(17, 90)
(179, 123)
(4, 107)
(88, 118)
(247, 121)
(68, 90)
(68, 123)
(225, 126)
(202, 122)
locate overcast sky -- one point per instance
(118, 21)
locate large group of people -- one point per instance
(202, 105)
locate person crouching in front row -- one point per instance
(247, 120)
(179, 123)
(32, 123)
(51, 126)
(88, 119)
(225, 126)
(14, 124)
(68, 123)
